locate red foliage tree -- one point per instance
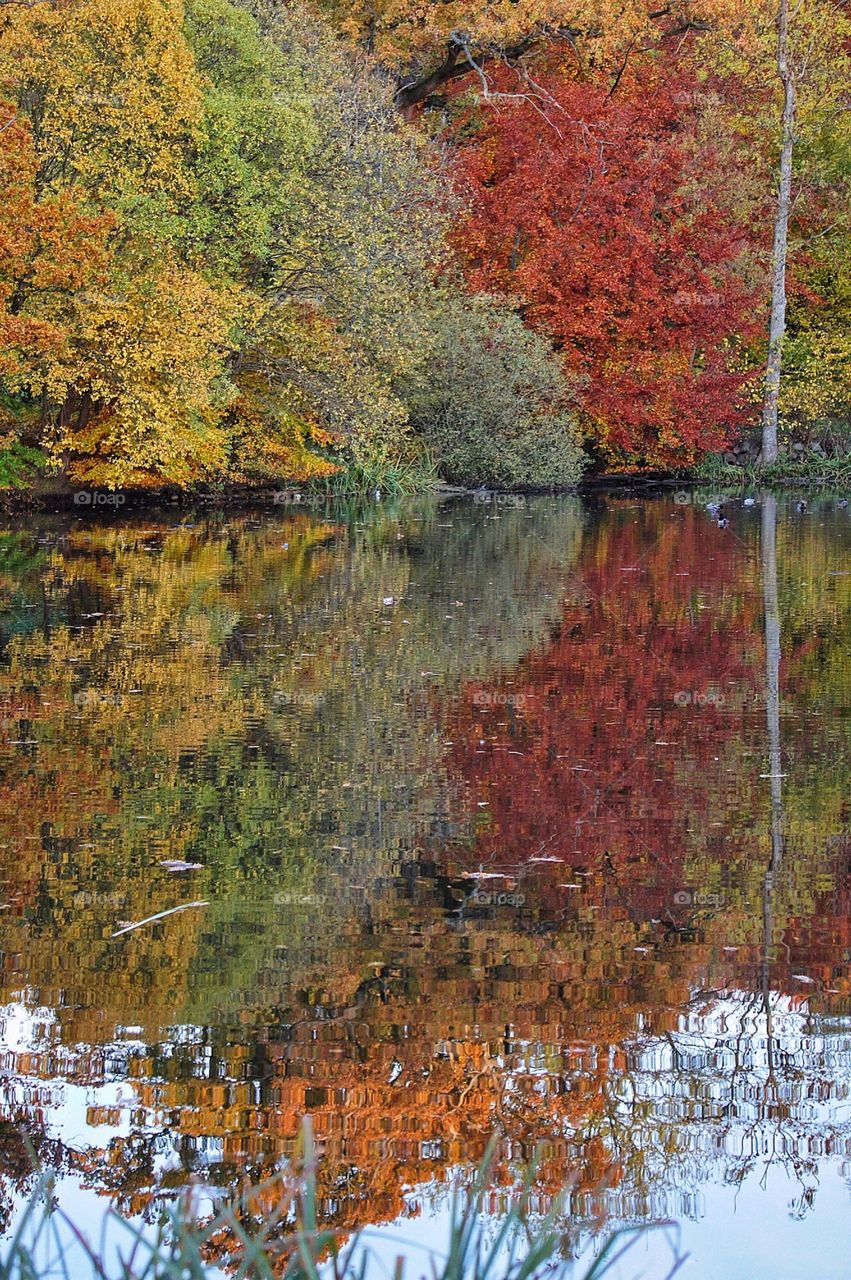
(612, 217)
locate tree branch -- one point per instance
(459, 61)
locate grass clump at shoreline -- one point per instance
(810, 470)
(395, 478)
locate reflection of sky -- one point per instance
(24, 1031)
(736, 1053)
(28, 1031)
(749, 1232)
(71, 1108)
(756, 1195)
(70, 1119)
(110, 1237)
(745, 1233)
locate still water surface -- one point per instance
(482, 818)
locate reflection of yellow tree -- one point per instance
(133, 620)
(221, 693)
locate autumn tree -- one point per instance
(584, 205)
(112, 100)
(50, 250)
(350, 272)
(810, 44)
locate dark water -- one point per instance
(522, 819)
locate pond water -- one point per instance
(436, 820)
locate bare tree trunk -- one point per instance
(777, 326)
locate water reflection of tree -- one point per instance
(760, 1109)
(768, 549)
(247, 703)
(411, 1029)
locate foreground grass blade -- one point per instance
(289, 1241)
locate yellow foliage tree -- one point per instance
(111, 93)
(49, 250)
(149, 392)
(113, 103)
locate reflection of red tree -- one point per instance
(605, 750)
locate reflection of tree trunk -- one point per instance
(772, 670)
(777, 325)
(772, 709)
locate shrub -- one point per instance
(492, 403)
(19, 463)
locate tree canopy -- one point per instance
(227, 256)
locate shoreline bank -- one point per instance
(709, 475)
